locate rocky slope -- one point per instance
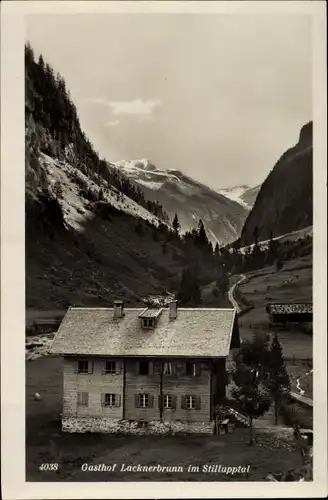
(249, 196)
(284, 202)
(177, 193)
(244, 195)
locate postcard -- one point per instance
(163, 230)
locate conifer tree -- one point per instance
(176, 224)
(189, 291)
(202, 237)
(277, 379)
(217, 250)
(252, 396)
(250, 392)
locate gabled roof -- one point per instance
(289, 308)
(194, 333)
(150, 313)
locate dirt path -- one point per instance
(231, 292)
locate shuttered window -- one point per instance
(84, 366)
(148, 322)
(82, 399)
(110, 367)
(110, 399)
(190, 402)
(192, 369)
(144, 400)
(167, 370)
(169, 402)
(144, 368)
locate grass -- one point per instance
(45, 443)
(267, 285)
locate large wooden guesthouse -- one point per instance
(151, 368)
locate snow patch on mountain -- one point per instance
(235, 194)
(138, 169)
(76, 209)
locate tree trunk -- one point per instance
(250, 431)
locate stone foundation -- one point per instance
(111, 426)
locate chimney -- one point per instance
(173, 309)
(118, 308)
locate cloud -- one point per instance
(112, 123)
(96, 100)
(137, 107)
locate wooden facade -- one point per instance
(283, 313)
(143, 389)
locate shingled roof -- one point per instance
(195, 332)
(289, 308)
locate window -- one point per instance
(190, 402)
(167, 400)
(143, 368)
(83, 367)
(143, 400)
(82, 399)
(148, 322)
(110, 367)
(167, 369)
(192, 369)
(110, 399)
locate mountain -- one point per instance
(178, 193)
(249, 196)
(284, 202)
(91, 234)
(244, 195)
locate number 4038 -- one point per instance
(51, 467)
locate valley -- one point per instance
(43, 416)
(291, 284)
(222, 214)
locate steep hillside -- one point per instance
(91, 234)
(284, 202)
(191, 200)
(248, 197)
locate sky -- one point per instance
(219, 97)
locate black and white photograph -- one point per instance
(172, 250)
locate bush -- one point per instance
(279, 265)
(291, 416)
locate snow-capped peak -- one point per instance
(235, 193)
(135, 165)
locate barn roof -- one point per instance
(289, 308)
(195, 333)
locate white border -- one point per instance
(13, 264)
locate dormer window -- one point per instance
(149, 317)
(148, 322)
